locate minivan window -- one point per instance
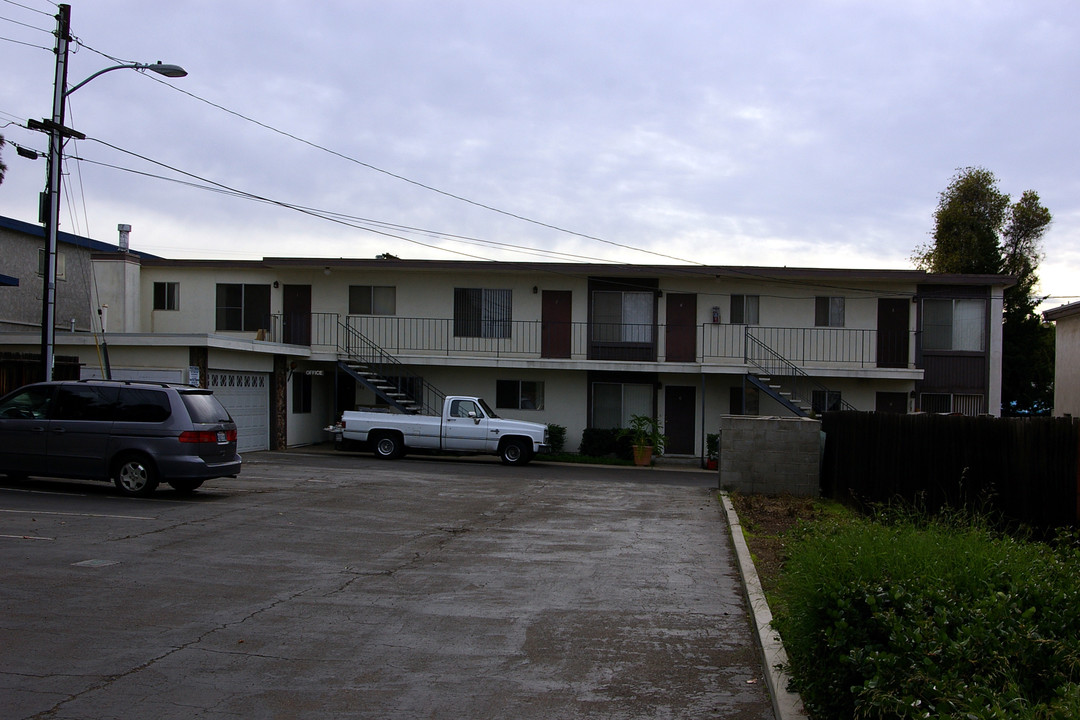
(32, 403)
(84, 402)
(204, 407)
(142, 405)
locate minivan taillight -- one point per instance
(206, 436)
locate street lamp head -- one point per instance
(173, 71)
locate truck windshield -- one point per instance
(487, 410)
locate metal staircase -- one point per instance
(385, 375)
(782, 380)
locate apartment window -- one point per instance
(61, 264)
(483, 313)
(958, 324)
(519, 394)
(166, 296)
(613, 404)
(372, 300)
(242, 307)
(825, 400)
(622, 316)
(744, 309)
(829, 311)
(301, 393)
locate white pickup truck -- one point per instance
(467, 426)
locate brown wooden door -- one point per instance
(681, 327)
(555, 324)
(891, 402)
(296, 314)
(679, 419)
(892, 333)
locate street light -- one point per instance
(159, 67)
(50, 216)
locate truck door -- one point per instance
(465, 427)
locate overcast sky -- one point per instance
(801, 133)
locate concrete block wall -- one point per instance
(770, 455)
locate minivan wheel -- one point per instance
(135, 476)
(185, 487)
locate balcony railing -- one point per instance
(714, 343)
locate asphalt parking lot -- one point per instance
(338, 586)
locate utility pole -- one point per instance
(50, 200)
(50, 206)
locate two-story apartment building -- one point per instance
(289, 342)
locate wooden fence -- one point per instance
(1024, 468)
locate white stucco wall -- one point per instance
(1067, 366)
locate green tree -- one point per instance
(1027, 366)
(978, 229)
(967, 226)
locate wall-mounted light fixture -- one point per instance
(535, 289)
(276, 284)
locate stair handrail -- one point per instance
(354, 345)
(784, 368)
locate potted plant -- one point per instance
(712, 450)
(646, 437)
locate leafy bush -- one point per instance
(556, 437)
(915, 619)
(597, 442)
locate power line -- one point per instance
(422, 185)
(27, 44)
(27, 7)
(22, 24)
(394, 175)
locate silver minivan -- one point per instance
(136, 434)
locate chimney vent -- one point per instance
(125, 242)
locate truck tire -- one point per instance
(515, 452)
(388, 446)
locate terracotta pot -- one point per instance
(643, 454)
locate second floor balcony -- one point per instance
(703, 344)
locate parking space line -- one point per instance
(75, 514)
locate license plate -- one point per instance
(221, 437)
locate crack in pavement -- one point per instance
(108, 680)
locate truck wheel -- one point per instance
(389, 447)
(515, 452)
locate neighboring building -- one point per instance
(289, 342)
(1066, 359)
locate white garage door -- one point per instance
(247, 398)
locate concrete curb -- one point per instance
(786, 704)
